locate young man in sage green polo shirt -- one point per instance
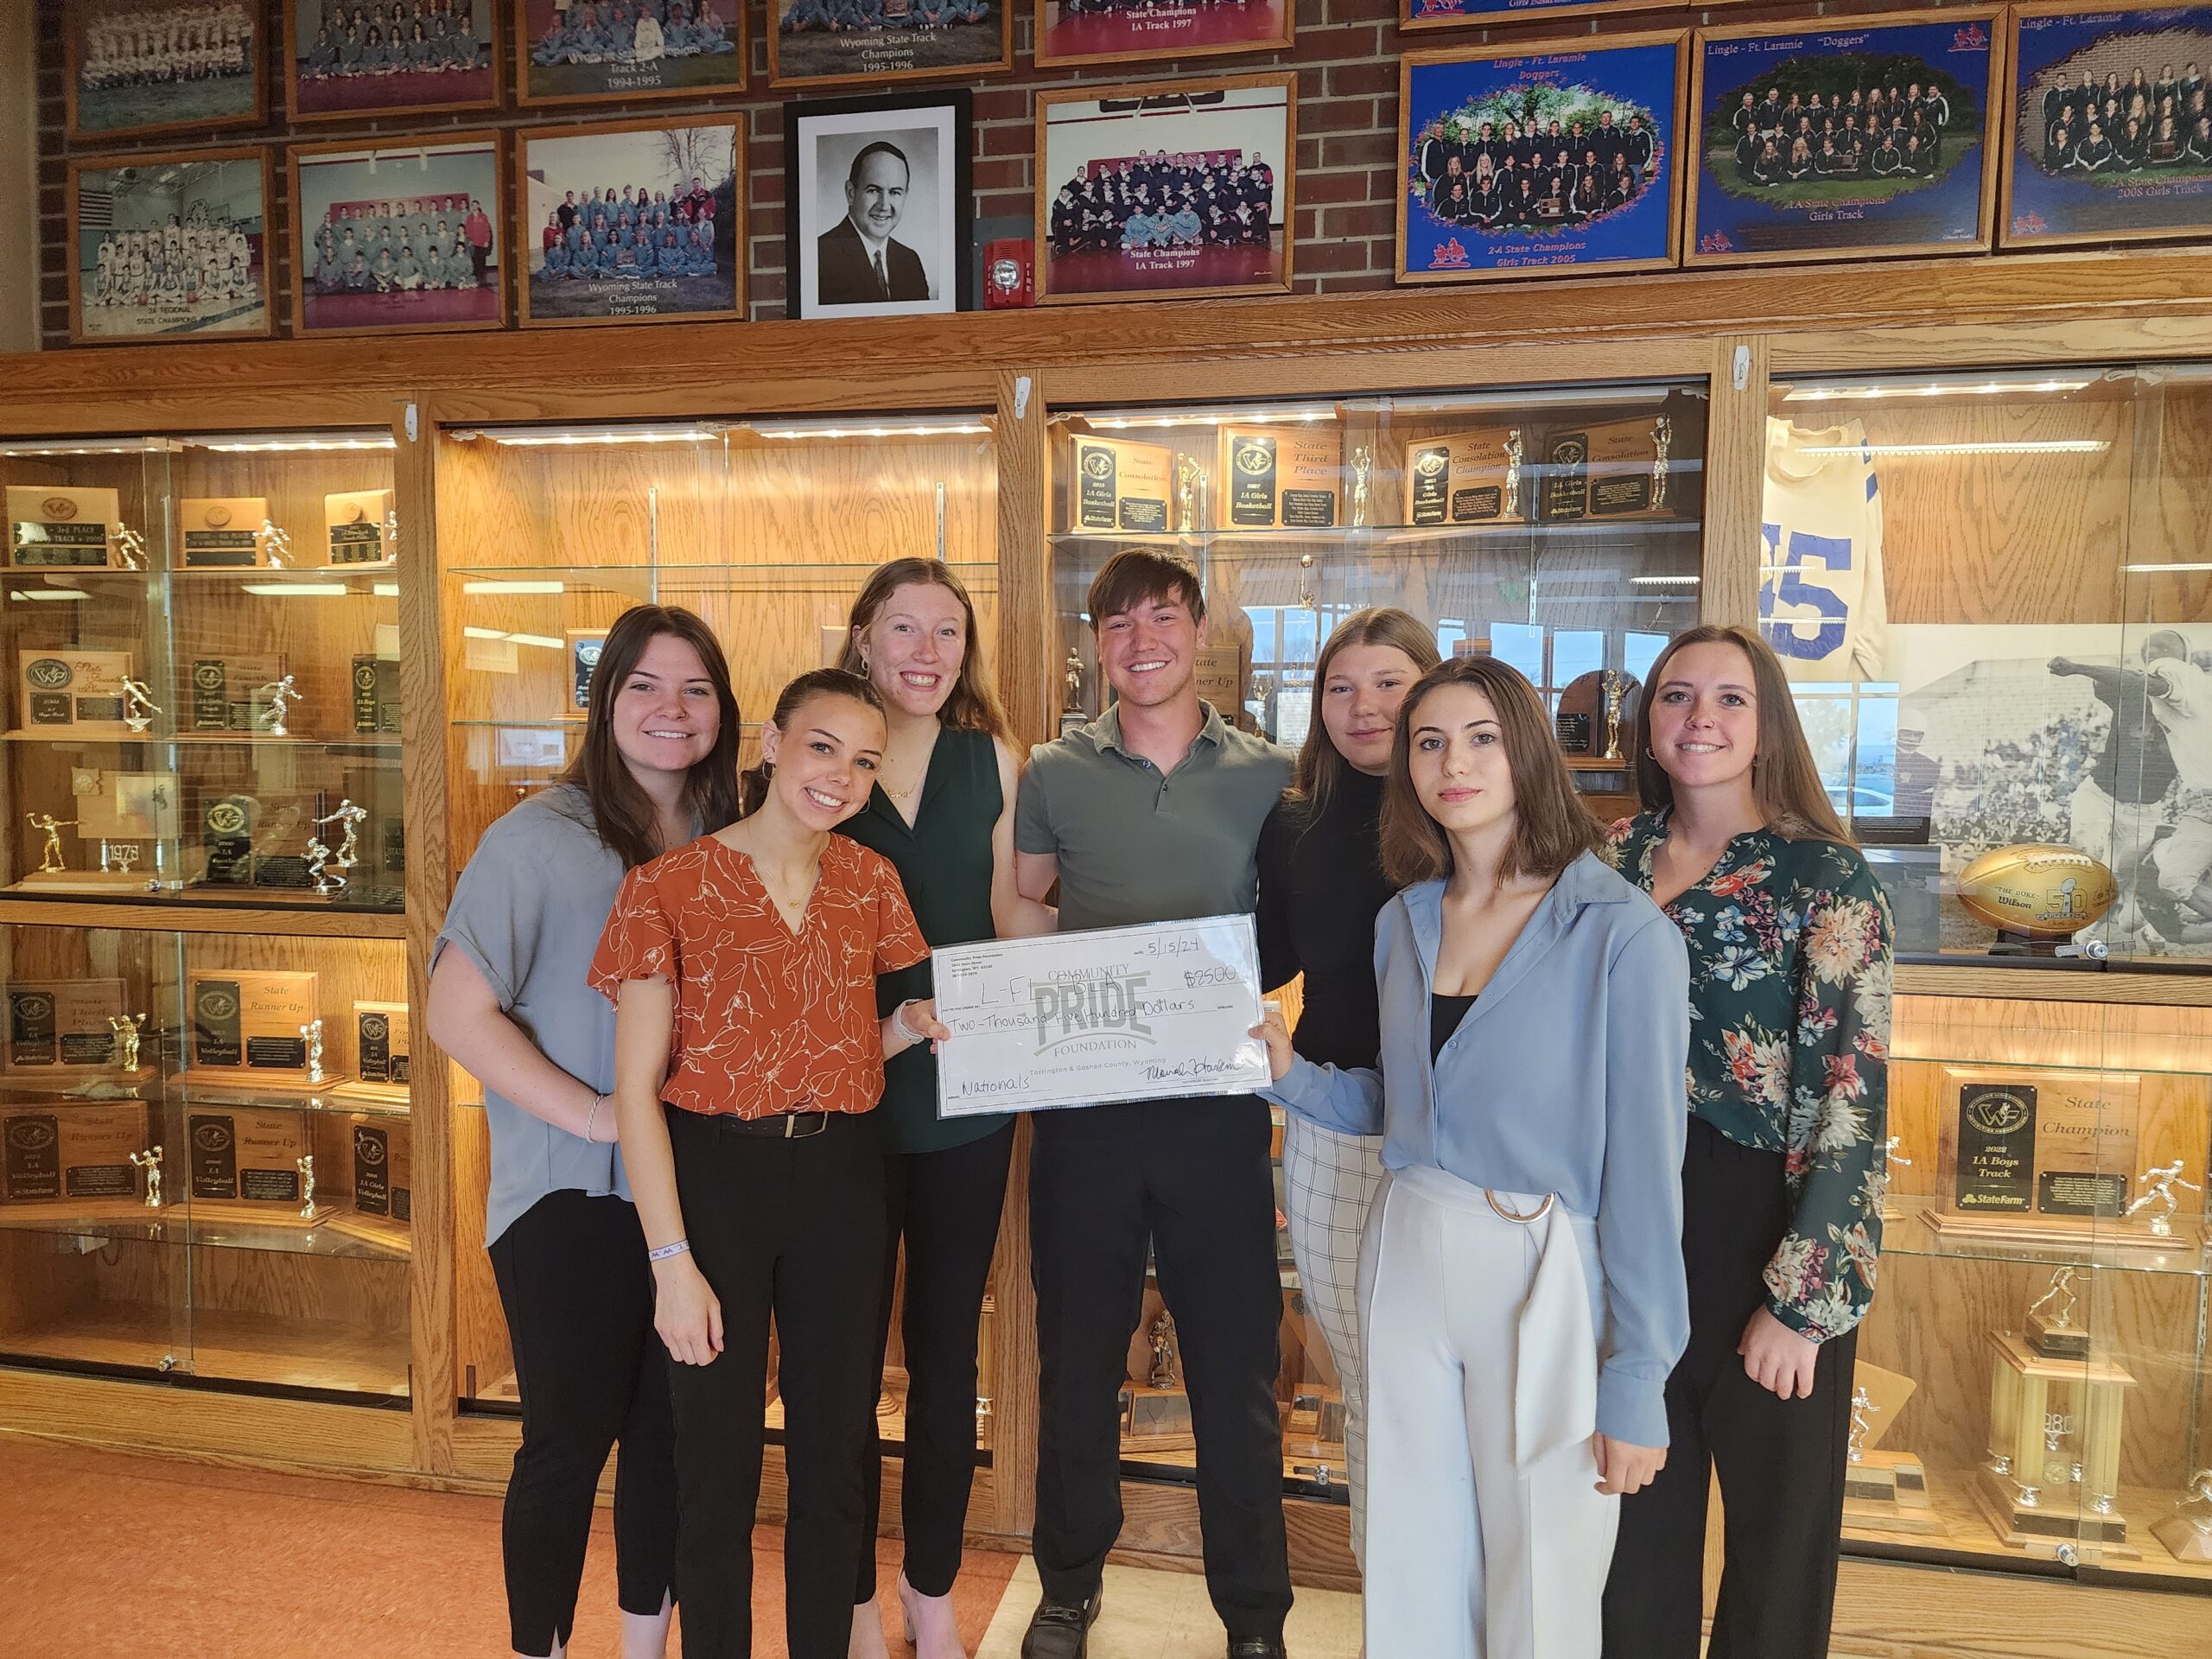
(1152, 813)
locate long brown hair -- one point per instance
(1552, 827)
(1320, 766)
(621, 812)
(972, 706)
(1785, 783)
(820, 682)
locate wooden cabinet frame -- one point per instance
(1732, 329)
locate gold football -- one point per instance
(2035, 888)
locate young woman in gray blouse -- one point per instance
(1521, 1291)
(510, 1000)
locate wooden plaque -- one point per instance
(220, 530)
(245, 1024)
(71, 692)
(357, 526)
(1278, 478)
(61, 1025)
(72, 1155)
(2033, 1156)
(1114, 484)
(1469, 478)
(50, 528)
(1608, 470)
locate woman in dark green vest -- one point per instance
(941, 811)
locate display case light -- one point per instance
(498, 586)
(483, 633)
(384, 590)
(1995, 386)
(51, 592)
(296, 589)
(1665, 581)
(281, 443)
(1992, 447)
(2133, 570)
(915, 429)
(90, 447)
(518, 437)
(543, 641)
(1214, 417)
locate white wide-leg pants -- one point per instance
(1486, 1538)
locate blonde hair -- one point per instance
(1321, 767)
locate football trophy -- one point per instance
(2036, 896)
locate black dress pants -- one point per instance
(792, 1228)
(944, 1205)
(578, 1300)
(1191, 1178)
(1781, 1462)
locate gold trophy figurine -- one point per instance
(306, 1165)
(278, 543)
(1513, 453)
(2158, 1184)
(1663, 442)
(130, 547)
(313, 1032)
(1861, 1424)
(138, 705)
(1163, 1352)
(1616, 694)
(151, 1161)
(280, 694)
(1190, 479)
(1363, 466)
(126, 1027)
(51, 861)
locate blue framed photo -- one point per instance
(1546, 160)
(2109, 125)
(1875, 135)
(1480, 14)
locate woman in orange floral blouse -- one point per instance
(1789, 936)
(747, 1057)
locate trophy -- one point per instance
(280, 694)
(1190, 479)
(2158, 1184)
(1662, 440)
(151, 1161)
(116, 857)
(1882, 1491)
(126, 1027)
(2051, 1320)
(305, 1165)
(51, 861)
(277, 544)
(327, 880)
(138, 705)
(1861, 1403)
(132, 551)
(2028, 1428)
(1513, 452)
(1362, 464)
(2187, 1533)
(313, 1032)
(1616, 693)
(1891, 1158)
(228, 826)
(1162, 1337)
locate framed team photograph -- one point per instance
(1549, 159)
(1181, 187)
(631, 221)
(877, 207)
(397, 235)
(1123, 31)
(348, 59)
(2108, 128)
(1876, 135)
(136, 67)
(839, 42)
(1480, 14)
(170, 247)
(596, 51)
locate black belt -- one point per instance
(781, 1126)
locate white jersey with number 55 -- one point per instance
(1821, 601)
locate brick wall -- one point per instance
(1346, 55)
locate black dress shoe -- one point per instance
(1257, 1647)
(1061, 1630)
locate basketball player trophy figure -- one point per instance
(306, 1186)
(278, 542)
(1662, 442)
(1615, 693)
(126, 1027)
(138, 705)
(280, 695)
(1513, 452)
(1163, 1352)
(151, 1161)
(313, 1032)
(1190, 479)
(2158, 1184)
(350, 818)
(1363, 463)
(51, 863)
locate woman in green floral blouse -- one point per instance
(1789, 936)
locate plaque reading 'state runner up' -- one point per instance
(1110, 1014)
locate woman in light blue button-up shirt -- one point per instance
(1522, 1298)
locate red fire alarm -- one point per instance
(1009, 274)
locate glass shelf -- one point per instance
(211, 739)
(637, 580)
(1408, 536)
(1909, 1229)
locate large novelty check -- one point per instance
(1114, 1013)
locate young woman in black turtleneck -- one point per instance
(1321, 887)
